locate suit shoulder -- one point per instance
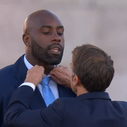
(6, 69)
(6, 82)
(6, 73)
(120, 104)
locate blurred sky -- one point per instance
(99, 22)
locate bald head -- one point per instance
(35, 18)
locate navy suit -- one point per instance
(87, 110)
(11, 77)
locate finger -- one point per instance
(59, 70)
(57, 74)
(55, 79)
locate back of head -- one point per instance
(93, 67)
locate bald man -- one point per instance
(44, 41)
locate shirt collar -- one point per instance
(29, 66)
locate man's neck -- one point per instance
(47, 68)
(81, 90)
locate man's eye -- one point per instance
(46, 32)
(60, 34)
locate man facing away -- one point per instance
(44, 45)
(92, 73)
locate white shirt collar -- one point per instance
(29, 66)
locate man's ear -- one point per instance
(76, 80)
(26, 39)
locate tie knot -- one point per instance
(45, 81)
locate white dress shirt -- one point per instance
(52, 84)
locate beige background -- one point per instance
(99, 22)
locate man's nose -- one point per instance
(56, 38)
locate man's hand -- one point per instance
(62, 75)
(35, 75)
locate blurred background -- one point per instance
(99, 22)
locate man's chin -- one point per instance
(54, 61)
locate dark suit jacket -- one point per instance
(87, 110)
(11, 77)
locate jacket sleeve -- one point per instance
(19, 115)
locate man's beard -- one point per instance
(42, 54)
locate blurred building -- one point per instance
(99, 22)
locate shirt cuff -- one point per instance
(28, 84)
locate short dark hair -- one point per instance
(93, 67)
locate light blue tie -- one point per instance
(46, 91)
